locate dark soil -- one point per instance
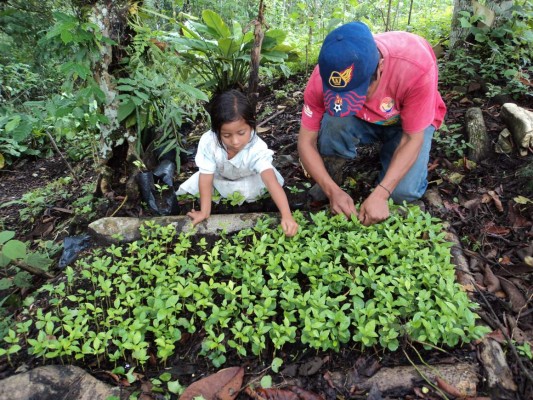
(495, 229)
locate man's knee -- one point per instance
(408, 193)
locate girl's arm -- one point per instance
(288, 224)
(205, 185)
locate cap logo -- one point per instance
(341, 79)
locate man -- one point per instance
(365, 89)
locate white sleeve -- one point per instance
(205, 155)
(261, 157)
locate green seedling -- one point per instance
(336, 284)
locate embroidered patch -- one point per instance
(341, 79)
(387, 104)
(338, 104)
(307, 111)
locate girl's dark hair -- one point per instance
(228, 107)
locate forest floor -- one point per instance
(483, 204)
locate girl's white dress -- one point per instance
(240, 174)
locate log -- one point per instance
(497, 372)
(462, 376)
(477, 135)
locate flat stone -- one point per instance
(126, 229)
(56, 382)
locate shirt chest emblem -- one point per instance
(387, 104)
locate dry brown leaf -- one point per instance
(450, 389)
(223, 385)
(495, 230)
(516, 298)
(496, 200)
(304, 394)
(472, 204)
(270, 394)
(490, 280)
(497, 335)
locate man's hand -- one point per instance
(341, 203)
(197, 216)
(289, 226)
(374, 209)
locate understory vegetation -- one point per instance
(336, 283)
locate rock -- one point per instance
(126, 229)
(55, 382)
(520, 122)
(477, 135)
(504, 144)
(462, 376)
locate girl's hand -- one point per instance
(289, 226)
(197, 216)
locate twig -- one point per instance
(32, 270)
(63, 158)
(120, 206)
(270, 118)
(424, 376)
(497, 322)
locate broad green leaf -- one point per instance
(14, 249)
(6, 235)
(5, 283)
(125, 109)
(228, 46)
(175, 387)
(37, 260)
(2, 161)
(266, 382)
(215, 22)
(22, 279)
(276, 363)
(13, 123)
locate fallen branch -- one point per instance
(32, 270)
(270, 118)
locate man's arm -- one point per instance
(375, 208)
(340, 202)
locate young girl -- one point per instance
(231, 157)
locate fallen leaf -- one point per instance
(522, 200)
(494, 196)
(311, 367)
(505, 260)
(516, 298)
(455, 178)
(304, 394)
(223, 385)
(450, 389)
(270, 394)
(496, 230)
(472, 204)
(490, 280)
(497, 335)
(261, 129)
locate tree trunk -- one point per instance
(255, 58)
(115, 148)
(458, 34)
